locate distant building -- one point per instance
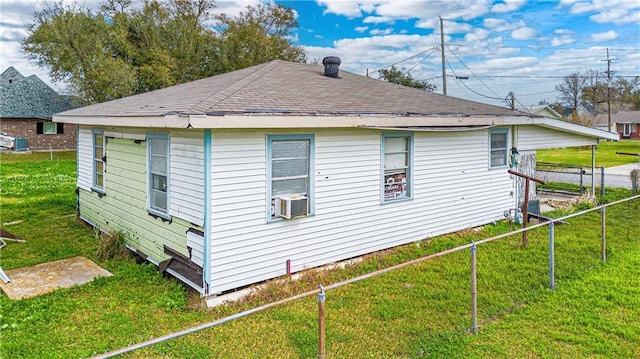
(26, 107)
(626, 123)
(543, 110)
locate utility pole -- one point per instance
(609, 72)
(444, 69)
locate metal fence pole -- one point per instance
(321, 322)
(552, 281)
(474, 293)
(581, 181)
(603, 234)
(602, 181)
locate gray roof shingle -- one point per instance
(281, 87)
(29, 97)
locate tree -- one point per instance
(121, 49)
(258, 35)
(571, 89)
(397, 76)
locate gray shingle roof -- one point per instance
(618, 117)
(29, 97)
(281, 87)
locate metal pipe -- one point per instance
(603, 234)
(474, 293)
(321, 322)
(602, 181)
(552, 281)
(593, 170)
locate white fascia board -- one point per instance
(329, 121)
(163, 121)
(565, 126)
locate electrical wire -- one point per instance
(407, 59)
(467, 67)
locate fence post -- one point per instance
(474, 295)
(321, 323)
(581, 181)
(552, 281)
(603, 234)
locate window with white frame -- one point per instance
(397, 159)
(99, 157)
(498, 147)
(290, 169)
(158, 174)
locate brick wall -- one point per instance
(29, 128)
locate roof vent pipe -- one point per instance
(331, 66)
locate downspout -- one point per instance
(206, 273)
(516, 179)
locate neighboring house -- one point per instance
(543, 110)
(230, 180)
(26, 107)
(625, 123)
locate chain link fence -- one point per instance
(569, 179)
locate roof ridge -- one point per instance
(235, 87)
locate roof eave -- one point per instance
(565, 126)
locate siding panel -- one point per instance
(453, 189)
(186, 172)
(533, 137)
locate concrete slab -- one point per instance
(46, 277)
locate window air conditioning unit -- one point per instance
(292, 207)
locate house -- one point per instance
(543, 110)
(26, 107)
(625, 123)
(237, 178)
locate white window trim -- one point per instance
(155, 211)
(506, 148)
(409, 176)
(94, 186)
(311, 194)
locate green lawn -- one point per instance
(419, 311)
(581, 156)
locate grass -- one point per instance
(419, 311)
(581, 156)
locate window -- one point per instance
(290, 169)
(498, 151)
(99, 158)
(158, 174)
(49, 128)
(397, 158)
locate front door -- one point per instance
(626, 129)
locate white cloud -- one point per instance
(523, 33)
(351, 9)
(361, 29)
(501, 24)
(478, 34)
(616, 16)
(378, 20)
(378, 32)
(604, 36)
(508, 6)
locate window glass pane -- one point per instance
(49, 128)
(498, 140)
(97, 139)
(158, 200)
(159, 183)
(396, 160)
(498, 158)
(158, 164)
(98, 153)
(99, 179)
(395, 185)
(289, 168)
(291, 186)
(289, 149)
(395, 144)
(158, 146)
(99, 167)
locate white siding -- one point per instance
(186, 172)
(536, 138)
(453, 189)
(85, 158)
(195, 244)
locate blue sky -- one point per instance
(500, 46)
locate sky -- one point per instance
(493, 48)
